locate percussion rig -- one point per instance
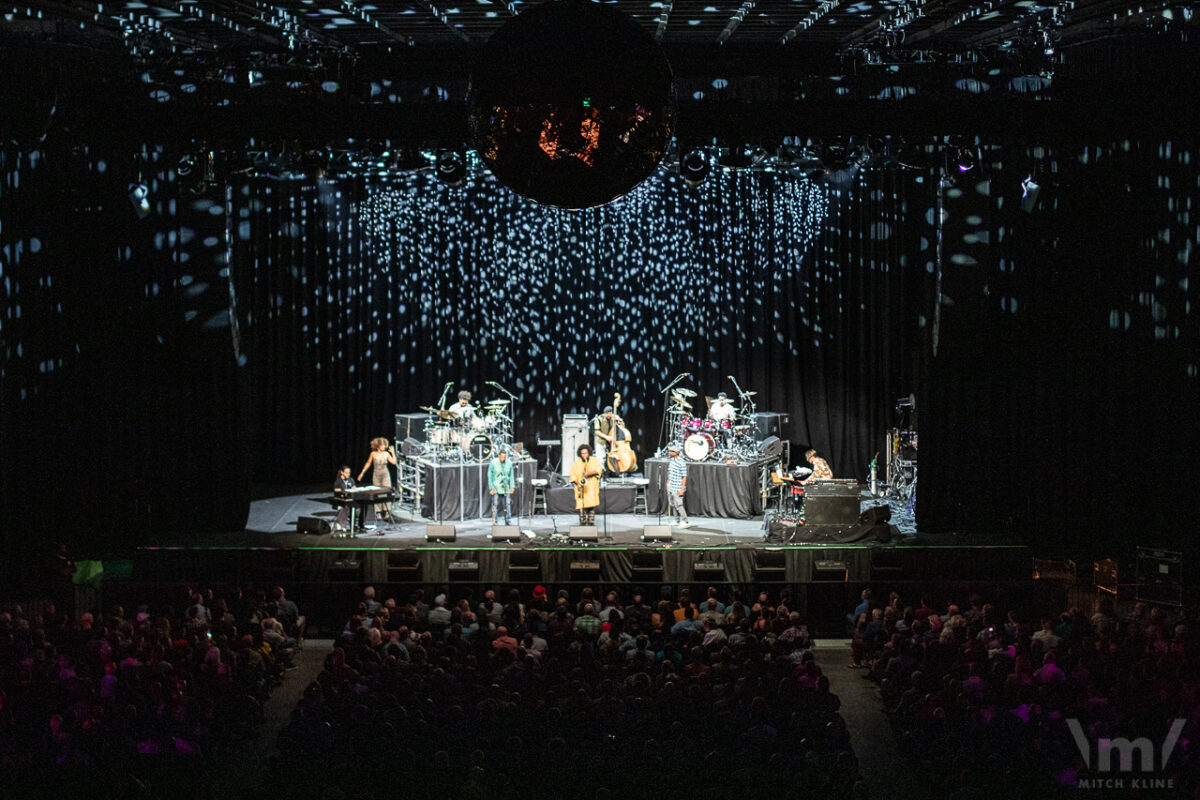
(699, 438)
(467, 438)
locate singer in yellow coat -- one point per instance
(585, 476)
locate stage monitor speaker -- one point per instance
(410, 447)
(524, 565)
(506, 533)
(411, 426)
(879, 513)
(886, 564)
(575, 431)
(771, 447)
(440, 533)
(830, 509)
(708, 571)
(1160, 576)
(767, 424)
(584, 533)
(657, 533)
(464, 571)
(345, 570)
(830, 571)
(313, 525)
(403, 565)
(865, 532)
(647, 565)
(585, 570)
(770, 565)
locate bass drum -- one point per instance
(479, 447)
(698, 446)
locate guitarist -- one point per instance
(585, 477)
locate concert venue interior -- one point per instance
(241, 239)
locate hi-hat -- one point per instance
(685, 392)
(748, 394)
(681, 401)
(498, 402)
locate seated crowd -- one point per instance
(550, 695)
(174, 678)
(982, 699)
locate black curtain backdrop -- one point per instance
(266, 329)
(362, 298)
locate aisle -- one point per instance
(879, 760)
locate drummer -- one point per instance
(462, 411)
(721, 409)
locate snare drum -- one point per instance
(698, 446)
(709, 425)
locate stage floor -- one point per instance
(272, 523)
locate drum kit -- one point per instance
(476, 436)
(729, 440)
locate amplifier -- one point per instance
(768, 423)
(575, 432)
(464, 565)
(830, 571)
(708, 571)
(411, 426)
(585, 566)
(464, 571)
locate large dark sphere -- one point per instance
(572, 104)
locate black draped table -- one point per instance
(613, 500)
(460, 491)
(713, 489)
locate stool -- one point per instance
(639, 499)
(539, 495)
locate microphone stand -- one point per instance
(666, 393)
(746, 401)
(445, 391)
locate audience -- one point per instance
(980, 704)
(564, 700)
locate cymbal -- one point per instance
(749, 394)
(498, 402)
(683, 391)
(708, 401)
(429, 409)
(444, 414)
(681, 401)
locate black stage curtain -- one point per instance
(446, 486)
(713, 490)
(362, 298)
(1066, 372)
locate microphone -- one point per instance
(490, 383)
(449, 384)
(687, 374)
(729, 376)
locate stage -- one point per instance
(712, 550)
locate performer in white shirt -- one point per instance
(722, 409)
(462, 410)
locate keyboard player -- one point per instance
(341, 488)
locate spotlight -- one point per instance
(139, 198)
(450, 168)
(694, 168)
(1029, 194)
(742, 157)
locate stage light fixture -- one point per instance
(139, 198)
(451, 169)
(694, 168)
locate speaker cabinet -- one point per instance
(314, 525)
(770, 565)
(506, 533)
(524, 566)
(463, 571)
(440, 533)
(584, 533)
(657, 533)
(830, 571)
(708, 572)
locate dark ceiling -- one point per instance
(399, 68)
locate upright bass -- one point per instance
(621, 457)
